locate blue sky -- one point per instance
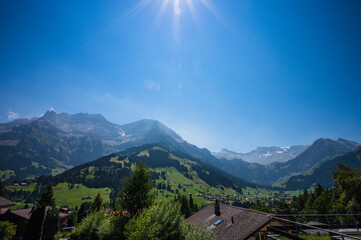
(232, 73)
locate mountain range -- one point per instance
(263, 155)
(53, 143)
(320, 151)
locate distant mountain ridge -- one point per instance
(264, 155)
(110, 133)
(323, 174)
(320, 151)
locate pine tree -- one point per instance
(72, 219)
(47, 197)
(51, 223)
(191, 204)
(185, 209)
(97, 203)
(35, 225)
(136, 193)
(83, 210)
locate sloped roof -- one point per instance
(23, 213)
(245, 221)
(26, 213)
(3, 210)
(5, 203)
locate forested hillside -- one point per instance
(323, 174)
(164, 163)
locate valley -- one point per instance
(84, 157)
(55, 142)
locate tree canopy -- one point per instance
(136, 193)
(97, 203)
(47, 197)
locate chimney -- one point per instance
(217, 208)
(232, 220)
(33, 208)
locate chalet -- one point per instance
(64, 214)
(232, 223)
(5, 203)
(3, 212)
(20, 218)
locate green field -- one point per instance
(29, 187)
(174, 179)
(72, 197)
(66, 196)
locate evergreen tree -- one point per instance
(72, 219)
(136, 193)
(1, 188)
(97, 203)
(35, 225)
(283, 208)
(51, 224)
(195, 207)
(83, 211)
(191, 204)
(47, 197)
(318, 190)
(185, 209)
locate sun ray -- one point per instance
(194, 13)
(213, 9)
(161, 12)
(115, 25)
(176, 20)
(134, 11)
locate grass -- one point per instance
(72, 197)
(143, 153)
(65, 196)
(175, 178)
(19, 206)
